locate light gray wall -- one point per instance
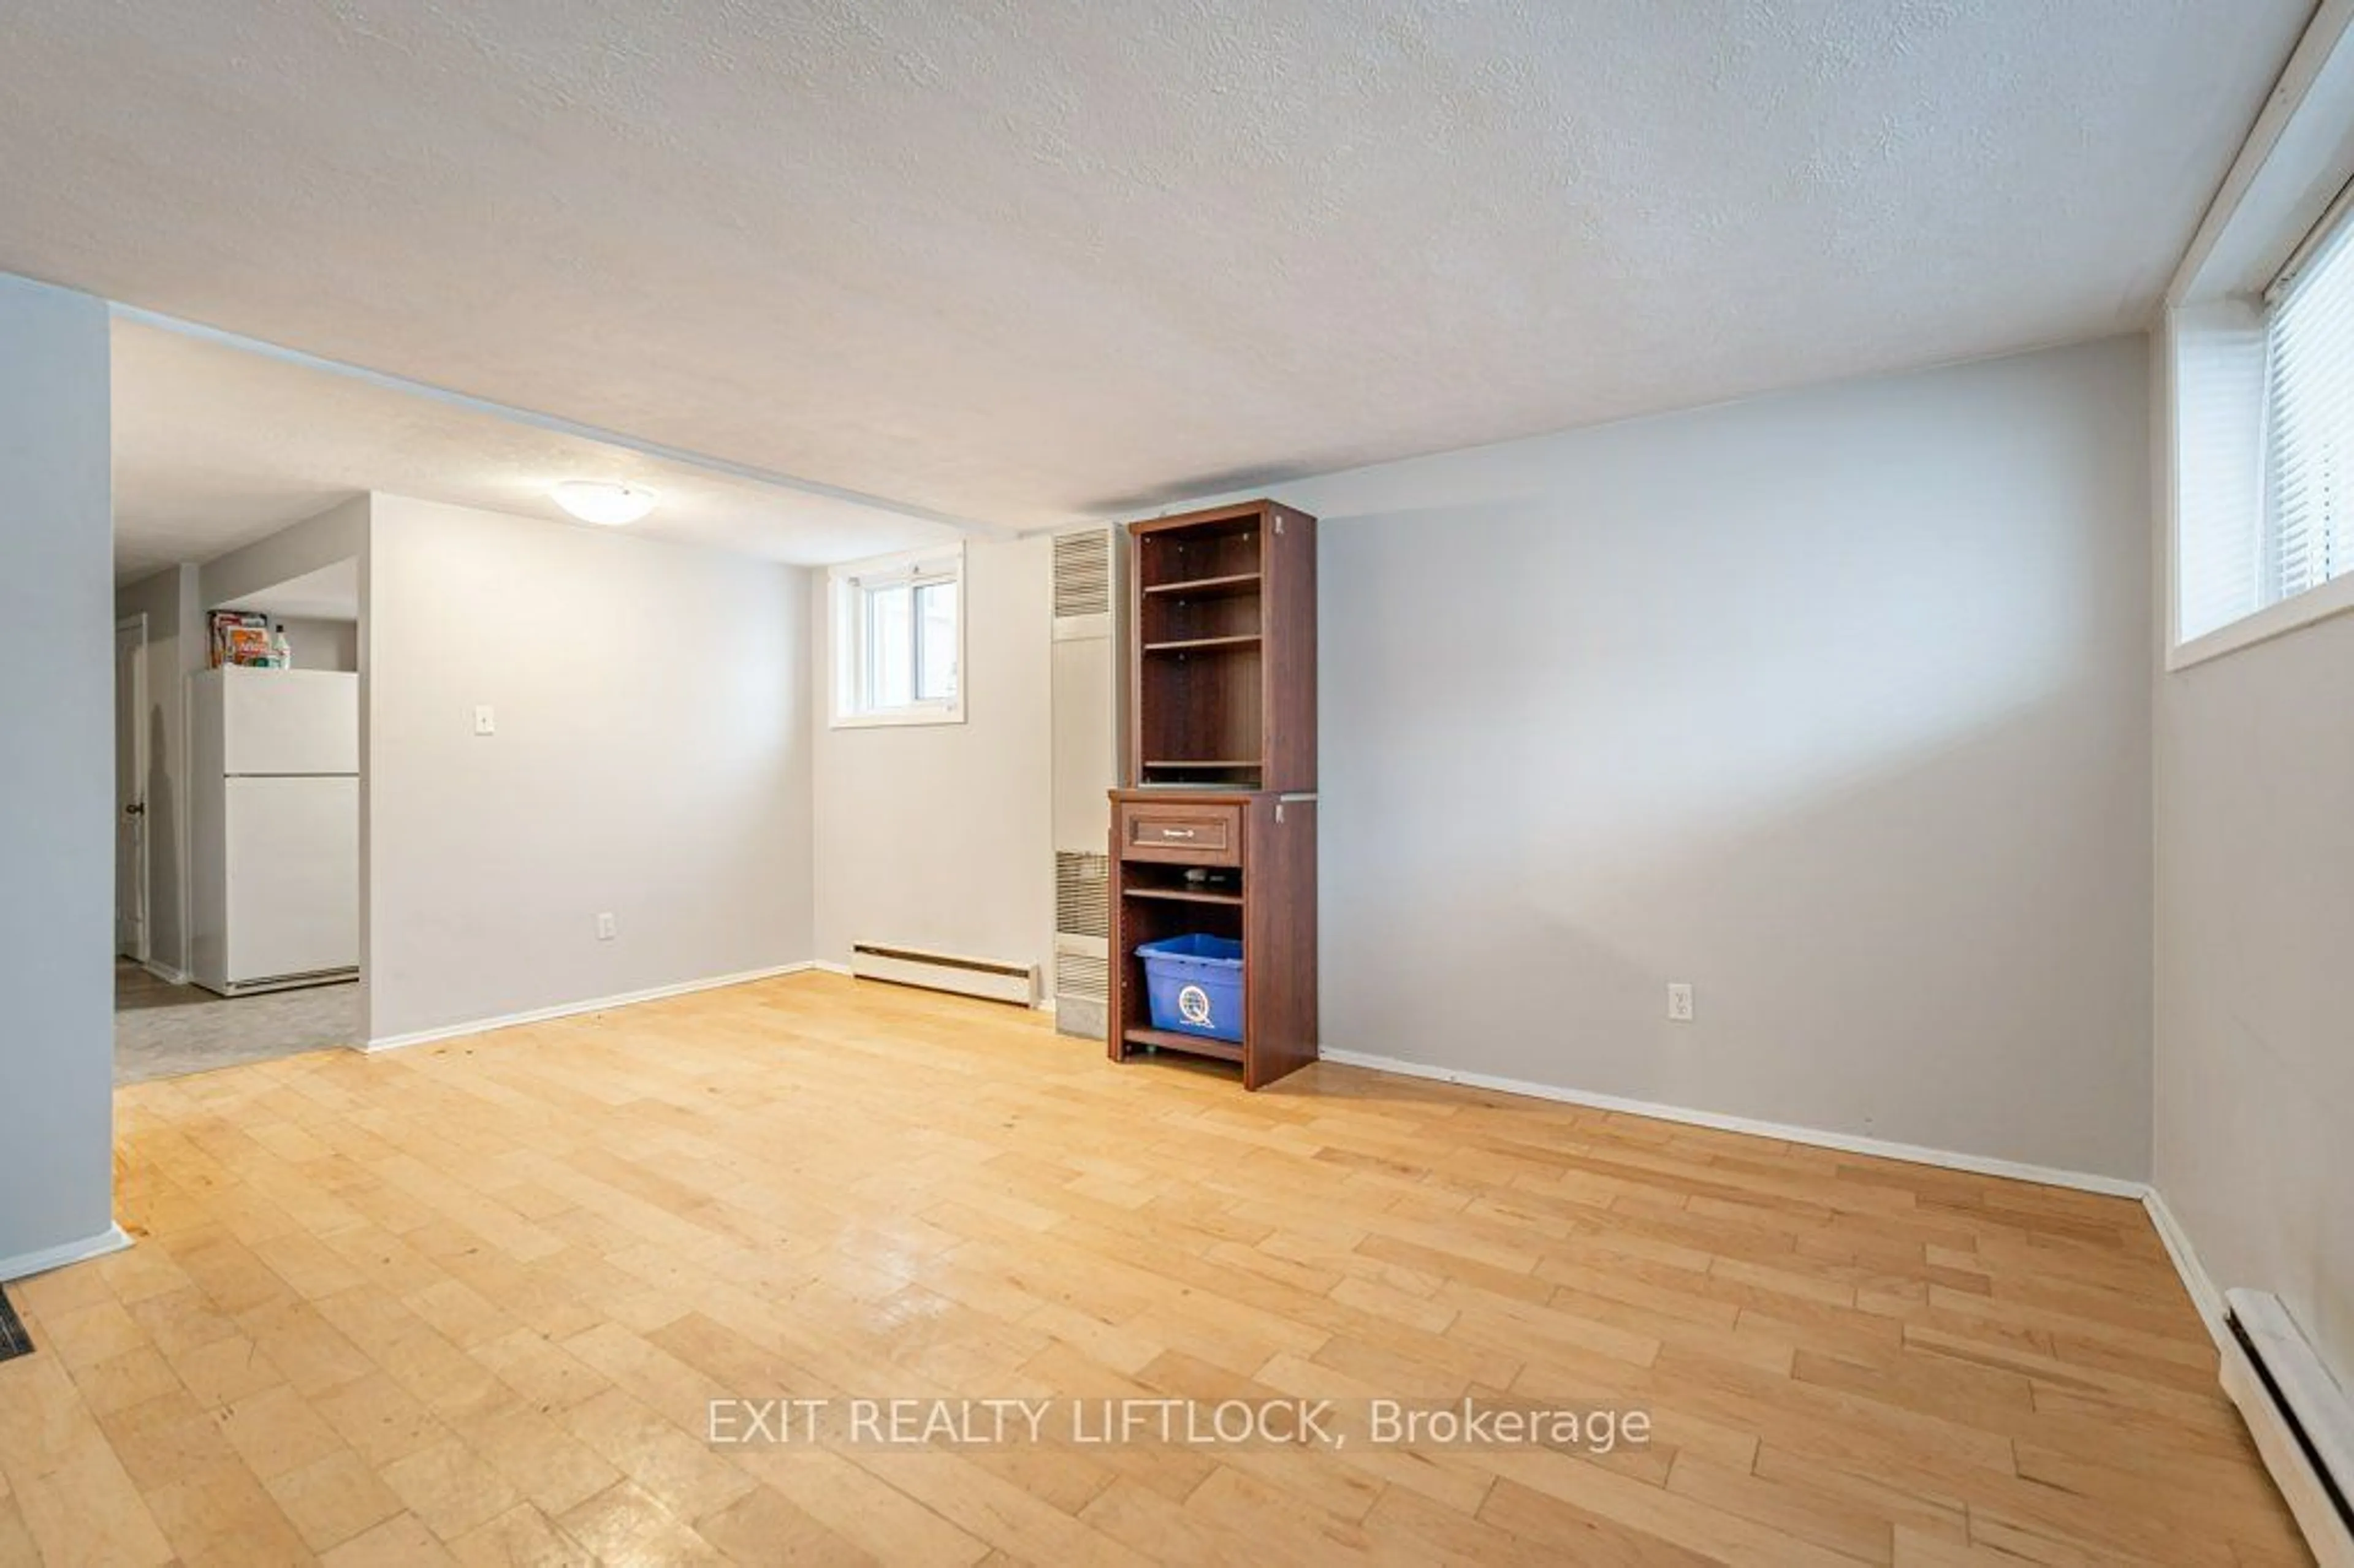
(57, 773)
(338, 534)
(2255, 972)
(176, 647)
(321, 644)
(651, 758)
(940, 835)
(1832, 704)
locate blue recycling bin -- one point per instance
(1194, 984)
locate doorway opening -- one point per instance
(237, 781)
(130, 767)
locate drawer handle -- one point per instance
(1176, 832)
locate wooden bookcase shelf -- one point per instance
(1204, 644)
(1215, 832)
(1227, 586)
(1191, 1044)
(1182, 895)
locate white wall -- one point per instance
(338, 534)
(2255, 970)
(56, 775)
(651, 758)
(176, 646)
(321, 644)
(940, 835)
(1832, 704)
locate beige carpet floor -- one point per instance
(164, 1030)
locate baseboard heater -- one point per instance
(990, 978)
(2299, 1417)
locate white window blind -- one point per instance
(2309, 421)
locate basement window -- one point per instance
(898, 640)
(2309, 421)
(2264, 434)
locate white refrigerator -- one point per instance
(274, 828)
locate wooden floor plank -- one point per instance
(472, 1302)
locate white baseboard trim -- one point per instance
(2195, 1277)
(574, 1009)
(1846, 1143)
(165, 973)
(114, 1238)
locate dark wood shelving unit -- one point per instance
(1215, 832)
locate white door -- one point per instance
(293, 873)
(131, 790)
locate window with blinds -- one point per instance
(2308, 533)
(2263, 450)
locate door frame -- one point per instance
(142, 884)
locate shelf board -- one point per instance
(1184, 895)
(1227, 587)
(1193, 1044)
(1203, 764)
(1203, 644)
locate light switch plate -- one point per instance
(485, 721)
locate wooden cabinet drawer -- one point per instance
(1203, 835)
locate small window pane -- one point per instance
(890, 648)
(2309, 424)
(898, 639)
(936, 609)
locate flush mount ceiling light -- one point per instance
(603, 502)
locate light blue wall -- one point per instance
(56, 774)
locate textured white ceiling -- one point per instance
(1028, 260)
(215, 447)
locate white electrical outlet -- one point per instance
(1680, 1002)
(485, 721)
(606, 929)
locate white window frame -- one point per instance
(2282, 191)
(849, 680)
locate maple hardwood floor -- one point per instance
(471, 1301)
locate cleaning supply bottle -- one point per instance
(282, 653)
